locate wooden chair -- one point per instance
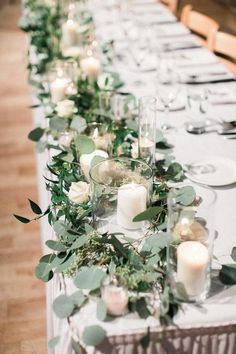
(199, 24)
(224, 44)
(172, 5)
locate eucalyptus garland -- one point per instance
(81, 252)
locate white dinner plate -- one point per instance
(212, 171)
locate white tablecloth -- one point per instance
(210, 329)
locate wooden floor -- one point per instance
(22, 298)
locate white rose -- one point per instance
(86, 160)
(79, 192)
(65, 108)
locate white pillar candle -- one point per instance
(192, 264)
(70, 30)
(86, 160)
(116, 299)
(131, 200)
(58, 89)
(90, 66)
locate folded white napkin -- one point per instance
(221, 95)
(201, 74)
(199, 56)
(174, 29)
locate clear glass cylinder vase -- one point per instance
(147, 128)
(121, 189)
(191, 227)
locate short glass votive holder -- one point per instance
(123, 106)
(61, 77)
(121, 189)
(101, 136)
(105, 103)
(192, 236)
(115, 296)
(147, 128)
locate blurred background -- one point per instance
(22, 299)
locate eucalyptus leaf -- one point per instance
(93, 335)
(68, 157)
(22, 219)
(227, 274)
(43, 272)
(41, 146)
(77, 347)
(36, 134)
(58, 124)
(186, 195)
(141, 308)
(59, 228)
(88, 228)
(65, 264)
(89, 278)
(174, 171)
(132, 124)
(84, 145)
(47, 258)
(78, 298)
(63, 306)
(53, 342)
(35, 208)
(81, 241)
(101, 310)
(79, 124)
(156, 242)
(56, 245)
(148, 214)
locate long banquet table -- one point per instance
(211, 328)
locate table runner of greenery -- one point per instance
(80, 251)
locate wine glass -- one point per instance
(138, 47)
(167, 89)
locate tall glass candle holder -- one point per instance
(121, 189)
(147, 128)
(190, 250)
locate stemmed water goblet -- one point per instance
(167, 89)
(138, 48)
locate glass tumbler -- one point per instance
(192, 234)
(197, 109)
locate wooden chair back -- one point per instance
(197, 22)
(223, 43)
(171, 4)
